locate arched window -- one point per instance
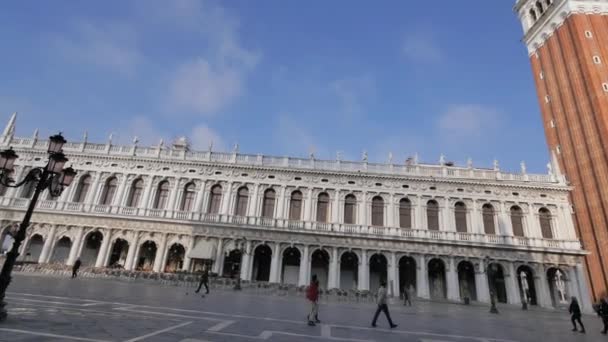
(135, 193)
(405, 213)
(215, 198)
(82, 189)
(350, 212)
(322, 207)
(517, 221)
(487, 212)
(377, 211)
(539, 7)
(460, 214)
(432, 215)
(188, 198)
(268, 203)
(533, 14)
(295, 206)
(3, 188)
(28, 189)
(242, 197)
(109, 189)
(162, 195)
(544, 216)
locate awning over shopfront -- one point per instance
(204, 249)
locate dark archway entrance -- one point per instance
(61, 252)
(437, 283)
(466, 280)
(525, 281)
(91, 247)
(496, 282)
(147, 254)
(319, 265)
(349, 271)
(378, 271)
(558, 286)
(290, 268)
(262, 258)
(175, 258)
(34, 248)
(118, 257)
(232, 264)
(407, 275)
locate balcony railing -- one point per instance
(294, 225)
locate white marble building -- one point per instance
(442, 231)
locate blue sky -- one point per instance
(278, 77)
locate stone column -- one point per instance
(225, 209)
(390, 212)
(476, 223)
(102, 256)
(447, 217)
(541, 285)
(274, 264)
(422, 278)
(201, 198)
(577, 275)
(160, 254)
(95, 190)
(308, 206)
(281, 203)
(132, 253)
(419, 216)
(363, 281)
(173, 196)
(532, 226)
(513, 295)
(252, 201)
(187, 258)
(121, 192)
(219, 254)
(333, 270)
(505, 226)
(335, 209)
(48, 246)
(304, 261)
(76, 246)
(393, 276)
(481, 283)
(147, 191)
(245, 274)
(452, 280)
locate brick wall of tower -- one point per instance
(578, 108)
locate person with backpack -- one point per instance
(575, 311)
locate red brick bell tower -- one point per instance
(567, 43)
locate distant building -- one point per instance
(448, 232)
(567, 41)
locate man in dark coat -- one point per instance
(382, 306)
(75, 268)
(575, 311)
(204, 281)
(603, 313)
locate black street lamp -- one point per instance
(52, 177)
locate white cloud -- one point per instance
(112, 46)
(202, 136)
(354, 92)
(468, 121)
(421, 47)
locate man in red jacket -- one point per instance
(312, 294)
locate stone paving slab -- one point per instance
(55, 309)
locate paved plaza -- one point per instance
(46, 308)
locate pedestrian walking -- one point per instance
(406, 296)
(603, 313)
(75, 268)
(204, 281)
(382, 306)
(312, 294)
(575, 311)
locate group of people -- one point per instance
(575, 312)
(312, 294)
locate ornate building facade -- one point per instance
(442, 231)
(567, 45)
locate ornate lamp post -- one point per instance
(52, 177)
